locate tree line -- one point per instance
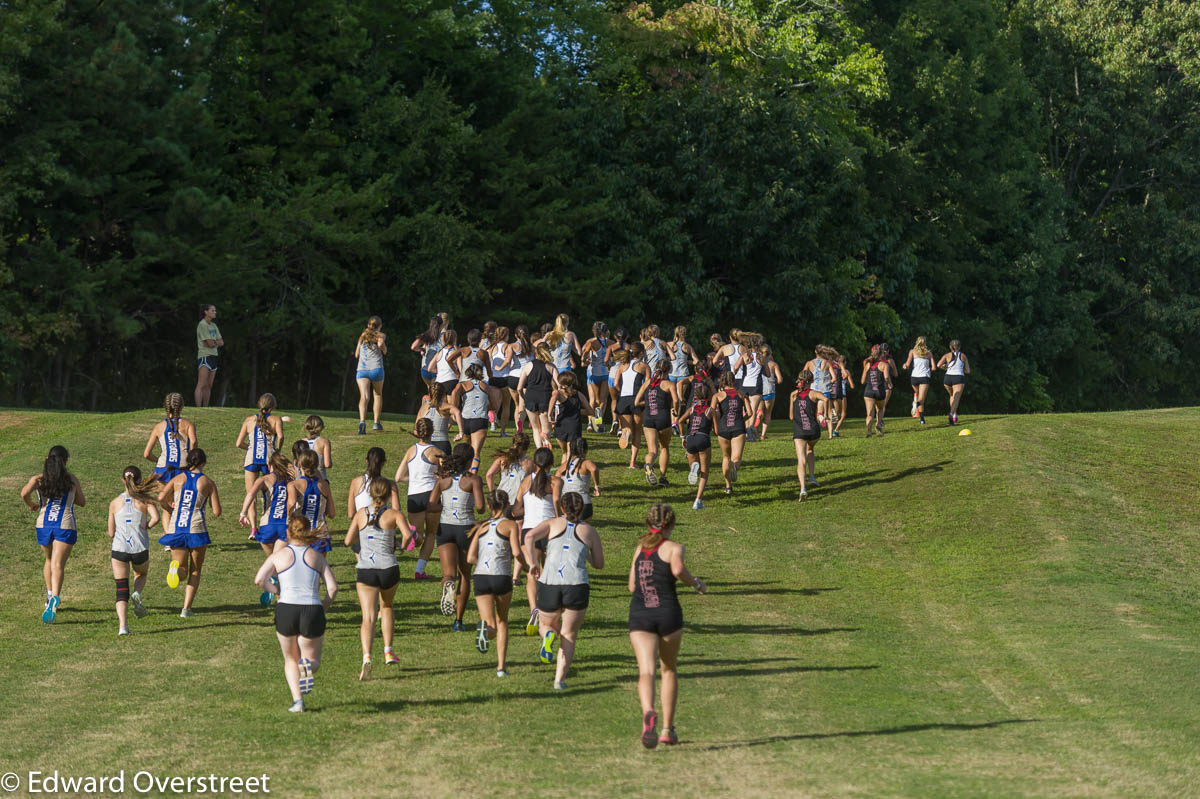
(1016, 174)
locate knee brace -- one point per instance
(122, 589)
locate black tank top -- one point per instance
(658, 406)
(875, 382)
(538, 381)
(730, 419)
(653, 583)
(804, 417)
(568, 411)
(700, 424)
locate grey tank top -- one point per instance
(131, 532)
(377, 546)
(475, 402)
(458, 506)
(566, 560)
(495, 552)
(441, 425)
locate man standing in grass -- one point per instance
(208, 339)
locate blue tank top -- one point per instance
(820, 381)
(679, 364)
(277, 508)
(562, 355)
(190, 503)
(258, 445)
(312, 503)
(596, 366)
(172, 452)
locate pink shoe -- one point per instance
(421, 576)
(412, 542)
(491, 417)
(649, 734)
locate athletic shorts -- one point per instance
(44, 536)
(625, 406)
(537, 403)
(732, 434)
(470, 426)
(136, 558)
(562, 370)
(954, 380)
(553, 598)
(454, 534)
(597, 380)
(919, 381)
(813, 437)
(448, 386)
(513, 381)
(875, 395)
(306, 621)
(418, 503)
(660, 621)
(185, 540)
(697, 443)
(540, 546)
(612, 382)
(498, 382)
(270, 533)
(258, 468)
(428, 375)
(494, 584)
(444, 446)
(768, 397)
(165, 474)
(677, 378)
(379, 578)
(752, 391)
(374, 375)
(210, 362)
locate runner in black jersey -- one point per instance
(731, 411)
(877, 381)
(697, 424)
(807, 409)
(658, 399)
(656, 619)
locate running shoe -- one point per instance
(803, 495)
(186, 613)
(950, 419)
(51, 611)
(697, 505)
(649, 734)
(139, 606)
(694, 474)
(501, 673)
(307, 680)
(264, 598)
(663, 482)
(520, 425)
(421, 576)
(758, 417)
(812, 481)
(531, 627)
(733, 470)
(48, 595)
(364, 673)
(377, 427)
(614, 427)
(481, 636)
(922, 420)
(412, 541)
(297, 706)
(390, 659)
(879, 427)
(492, 419)
(560, 686)
(447, 603)
(623, 438)
(728, 491)
(458, 626)
(546, 653)
(651, 478)
(173, 575)
(836, 434)
(668, 737)
(362, 428)
(122, 631)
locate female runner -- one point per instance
(446, 365)
(58, 493)
(419, 468)
(567, 407)
(458, 493)
(630, 374)
(477, 399)
(732, 412)
(656, 619)
(509, 467)
(847, 382)
(751, 384)
(497, 354)
(683, 360)
(313, 427)
(174, 437)
(187, 531)
(580, 475)
(271, 531)
(439, 410)
(920, 361)
(876, 381)
(658, 398)
(730, 355)
(654, 348)
(620, 342)
(130, 517)
(300, 611)
(260, 435)
(535, 385)
(516, 355)
(537, 497)
(373, 532)
(563, 591)
(563, 344)
(310, 495)
(594, 353)
(427, 345)
(369, 352)
(772, 376)
(493, 544)
(697, 422)
(957, 368)
(806, 409)
(474, 352)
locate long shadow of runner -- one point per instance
(817, 736)
(860, 480)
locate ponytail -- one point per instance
(266, 404)
(280, 466)
(139, 489)
(376, 458)
(196, 459)
(660, 519)
(539, 485)
(572, 505)
(520, 445)
(56, 480)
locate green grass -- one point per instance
(1012, 613)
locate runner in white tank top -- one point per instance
(373, 531)
(494, 543)
(130, 517)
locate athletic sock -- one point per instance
(387, 650)
(421, 566)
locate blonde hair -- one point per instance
(561, 322)
(543, 353)
(309, 464)
(139, 489)
(313, 425)
(660, 519)
(381, 488)
(651, 331)
(370, 335)
(300, 530)
(680, 332)
(921, 349)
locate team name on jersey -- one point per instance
(187, 498)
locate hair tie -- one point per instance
(656, 529)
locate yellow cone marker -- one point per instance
(965, 431)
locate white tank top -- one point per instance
(537, 510)
(458, 506)
(445, 372)
(735, 358)
(955, 367)
(299, 583)
(576, 482)
(566, 560)
(520, 357)
(312, 444)
(421, 473)
(132, 535)
(495, 552)
(921, 366)
(363, 498)
(497, 359)
(753, 371)
(376, 546)
(629, 379)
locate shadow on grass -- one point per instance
(851, 482)
(817, 736)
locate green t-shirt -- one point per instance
(206, 330)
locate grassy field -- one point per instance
(1013, 613)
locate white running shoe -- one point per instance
(803, 495)
(812, 481)
(447, 603)
(139, 606)
(364, 674)
(307, 680)
(123, 631)
(697, 505)
(694, 474)
(297, 706)
(186, 613)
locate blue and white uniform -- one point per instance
(312, 444)
(173, 451)
(312, 505)
(272, 526)
(260, 449)
(679, 364)
(131, 530)
(612, 373)
(431, 352)
(655, 352)
(493, 563)
(187, 528)
(474, 408)
(377, 546)
(577, 482)
(562, 355)
(499, 373)
(370, 363)
(820, 381)
(56, 519)
(563, 582)
(597, 370)
(768, 382)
